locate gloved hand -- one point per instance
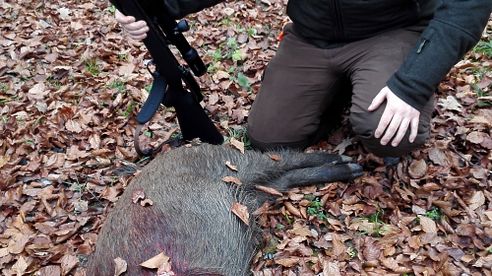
(137, 30)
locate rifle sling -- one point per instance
(156, 95)
(154, 100)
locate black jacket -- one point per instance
(453, 27)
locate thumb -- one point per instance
(378, 100)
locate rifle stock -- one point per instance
(170, 75)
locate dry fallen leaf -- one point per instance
(392, 264)
(288, 261)
(137, 195)
(274, 157)
(237, 144)
(68, 262)
(417, 169)
(241, 212)
(450, 103)
(232, 179)
(300, 230)
(438, 157)
(120, 266)
(331, 269)
(475, 137)
(156, 262)
(17, 245)
(268, 190)
(67, 108)
(477, 200)
(3, 160)
(230, 166)
(428, 225)
(20, 266)
(292, 209)
(146, 202)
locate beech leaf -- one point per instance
(230, 166)
(237, 144)
(232, 179)
(241, 212)
(156, 262)
(120, 266)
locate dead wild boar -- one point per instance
(191, 220)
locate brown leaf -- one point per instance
(4, 252)
(428, 225)
(237, 144)
(146, 202)
(300, 230)
(393, 265)
(73, 126)
(231, 179)
(17, 245)
(37, 92)
(484, 262)
(51, 270)
(4, 159)
(477, 200)
(156, 262)
(20, 266)
(475, 137)
(414, 242)
(274, 157)
(68, 262)
(126, 69)
(293, 210)
(417, 169)
(120, 266)
(268, 190)
(230, 166)
(438, 157)
(450, 103)
(372, 250)
(338, 245)
(111, 193)
(331, 269)
(241, 212)
(287, 261)
(137, 195)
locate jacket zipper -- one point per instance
(338, 20)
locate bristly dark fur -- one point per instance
(190, 219)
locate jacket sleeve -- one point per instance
(456, 27)
(181, 8)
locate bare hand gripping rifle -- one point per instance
(174, 84)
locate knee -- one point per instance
(262, 141)
(364, 126)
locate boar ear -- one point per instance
(317, 175)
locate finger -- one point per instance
(377, 101)
(135, 26)
(123, 19)
(391, 129)
(402, 130)
(139, 37)
(138, 31)
(414, 128)
(383, 122)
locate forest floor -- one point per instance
(71, 84)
